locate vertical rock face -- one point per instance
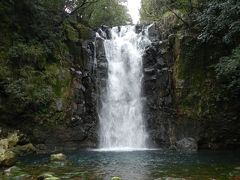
(84, 119)
(90, 82)
(101, 63)
(158, 90)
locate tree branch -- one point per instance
(84, 3)
(179, 17)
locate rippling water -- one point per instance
(147, 165)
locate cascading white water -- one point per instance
(121, 119)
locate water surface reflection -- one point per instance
(147, 165)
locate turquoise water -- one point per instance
(139, 165)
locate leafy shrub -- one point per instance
(220, 22)
(22, 54)
(228, 70)
(30, 89)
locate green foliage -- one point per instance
(228, 70)
(36, 51)
(205, 67)
(59, 78)
(110, 13)
(27, 95)
(220, 22)
(154, 10)
(23, 54)
(33, 54)
(32, 91)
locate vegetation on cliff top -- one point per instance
(40, 40)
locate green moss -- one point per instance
(192, 69)
(36, 84)
(59, 77)
(85, 31)
(72, 33)
(75, 32)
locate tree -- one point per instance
(110, 13)
(154, 10)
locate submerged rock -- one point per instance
(58, 157)
(59, 160)
(237, 168)
(116, 178)
(47, 176)
(15, 172)
(187, 144)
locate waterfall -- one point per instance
(122, 124)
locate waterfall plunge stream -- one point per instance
(122, 125)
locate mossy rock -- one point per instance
(15, 172)
(24, 149)
(13, 140)
(7, 158)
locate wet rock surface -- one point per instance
(158, 91)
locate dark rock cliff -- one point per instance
(158, 90)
